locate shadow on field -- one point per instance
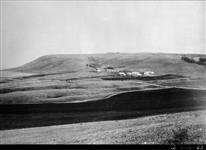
(120, 106)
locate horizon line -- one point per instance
(172, 53)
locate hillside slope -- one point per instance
(159, 63)
(177, 128)
(54, 63)
(118, 106)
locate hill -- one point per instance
(68, 78)
(158, 62)
(54, 63)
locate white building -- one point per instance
(98, 70)
(148, 73)
(136, 74)
(129, 73)
(122, 74)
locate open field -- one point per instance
(61, 89)
(114, 107)
(66, 78)
(176, 128)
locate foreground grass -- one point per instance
(177, 128)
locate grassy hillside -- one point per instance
(66, 78)
(134, 100)
(54, 63)
(158, 62)
(114, 107)
(177, 128)
(62, 90)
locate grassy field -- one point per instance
(65, 78)
(177, 128)
(119, 106)
(61, 89)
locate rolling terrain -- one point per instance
(176, 128)
(62, 89)
(119, 106)
(66, 78)
(160, 63)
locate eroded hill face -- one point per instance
(159, 63)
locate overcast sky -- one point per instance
(33, 29)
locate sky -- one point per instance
(33, 29)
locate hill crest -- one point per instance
(158, 62)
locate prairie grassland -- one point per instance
(177, 128)
(66, 78)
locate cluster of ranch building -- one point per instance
(122, 73)
(135, 74)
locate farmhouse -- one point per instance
(148, 73)
(129, 73)
(136, 74)
(122, 74)
(98, 70)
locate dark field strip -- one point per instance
(17, 121)
(135, 100)
(146, 78)
(120, 106)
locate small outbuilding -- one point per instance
(148, 73)
(122, 74)
(136, 74)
